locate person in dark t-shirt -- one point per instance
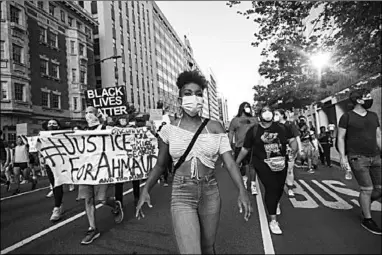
(359, 145)
(326, 142)
(268, 141)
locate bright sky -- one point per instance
(221, 39)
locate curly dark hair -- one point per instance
(191, 77)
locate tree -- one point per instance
(353, 36)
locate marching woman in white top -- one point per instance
(21, 162)
(195, 201)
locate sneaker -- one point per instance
(253, 188)
(34, 184)
(50, 194)
(91, 235)
(165, 184)
(245, 180)
(71, 187)
(57, 213)
(275, 227)
(290, 193)
(118, 212)
(278, 210)
(23, 182)
(16, 192)
(371, 226)
(311, 171)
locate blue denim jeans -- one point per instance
(195, 211)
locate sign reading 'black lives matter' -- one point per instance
(111, 101)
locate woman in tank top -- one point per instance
(195, 199)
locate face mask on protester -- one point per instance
(192, 105)
(52, 125)
(267, 116)
(367, 103)
(92, 120)
(122, 122)
(247, 110)
(276, 118)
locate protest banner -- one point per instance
(99, 156)
(111, 101)
(32, 141)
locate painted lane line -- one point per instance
(54, 227)
(265, 233)
(24, 193)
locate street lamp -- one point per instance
(103, 60)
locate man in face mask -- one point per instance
(237, 130)
(359, 145)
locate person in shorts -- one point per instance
(93, 193)
(359, 145)
(237, 131)
(307, 146)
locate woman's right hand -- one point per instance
(143, 198)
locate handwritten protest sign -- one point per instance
(156, 114)
(99, 157)
(110, 101)
(32, 141)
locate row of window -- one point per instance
(50, 100)
(19, 91)
(53, 71)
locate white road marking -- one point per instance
(265, 233)
(50, 229)
(24, 193)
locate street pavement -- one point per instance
(323, 218)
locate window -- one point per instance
(45, 99)
(83, 102)
(72, 47)
(88, 33)
(62, 16)
(79, 25)
(70, 21)
(43, 66)
(81, 3)
(82, 76)
(2, 49)
(74, 75)
(19, 91)
(43, 34)
(56, 101)
(4, 91)
(94, 9)
(53, 40)
(40, 4)
(75, 103)
(81, 49)
(55, 71)
(15, 15)
(16, 53)
(51, 9)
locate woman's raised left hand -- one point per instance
(245, 204)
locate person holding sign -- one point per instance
(91, 193)
(194, 144)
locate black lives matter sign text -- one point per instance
(111, 101)
(100, 156)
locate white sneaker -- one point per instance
(245, 180)
(278, 210)
(23, 182)
(50, 194)
(290, 193)
(57, 213)
(253, 188)
(71, 187)
(275, 227)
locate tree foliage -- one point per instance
(350, 31)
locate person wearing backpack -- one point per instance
(359, 146)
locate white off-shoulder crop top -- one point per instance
(207, 147)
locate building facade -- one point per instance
(45, 50)
(223, 110)
(126, 30)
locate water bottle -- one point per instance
(348, 174)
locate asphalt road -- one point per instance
(323, 218)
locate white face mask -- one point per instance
(267, 116)
(92, 120)
(276, 118)
(247, 110)
(192, 105)
(123, 122)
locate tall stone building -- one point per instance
(46, 47)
